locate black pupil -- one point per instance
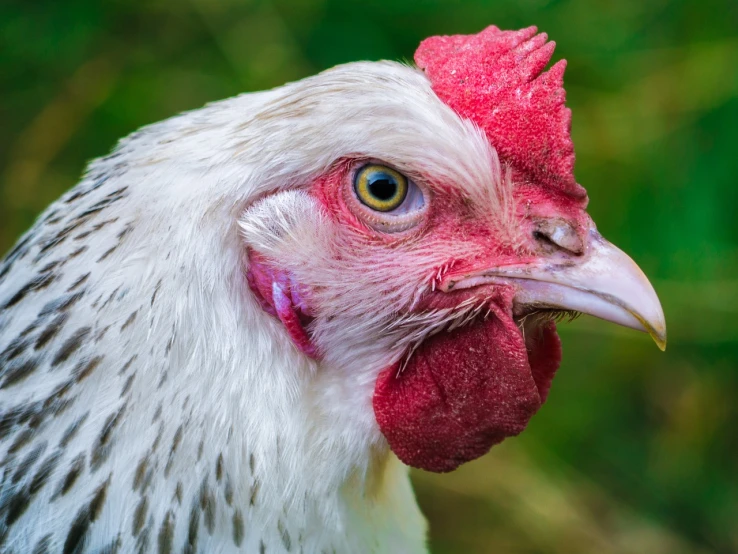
(383, 187)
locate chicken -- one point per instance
(240, 328)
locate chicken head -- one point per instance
(427, 266)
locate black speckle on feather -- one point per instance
(126, 230)
(78, 533)
(156, 291)
(285, 536)
(28, 461)
(173, 450)
(166, 534)
(16, 506)
(80, 191)
(138, 476)
(142, 542)
(98, 500)
(78, 251)
(238, 527)
(16, 347)
(85, 368)
(9, 420)
(95, 228)
(71, 345)
(61, 304)
(15, 372)
(109, 200)
(55, 403)
(72, 430)
(44, 471)
(157, 439)
(32, 327)
(207, 505)
(139, 515)
(253, 492)
(192, 530)
(101, 333)
(36, 284)
(127, 365)
(127, 385)
(102, 447)
(18, 252)
(219, 468)
(48, 267)
(108, 252)
(110, 298)
(57, 239)
(21, 440)
(51, 330)
(162, 379)
(80, 281)
(75, 470)
(131, 319)
(228, 491)
(43, 546)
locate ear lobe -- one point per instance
(280, 295)
(284, 236)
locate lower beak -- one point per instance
(603, 282)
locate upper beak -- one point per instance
(603, 282)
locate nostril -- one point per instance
(558, 234)
(542, 237)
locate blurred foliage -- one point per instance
(636, 451)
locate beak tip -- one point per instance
(659, 337)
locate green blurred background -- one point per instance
(635, 451)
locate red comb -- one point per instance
(495, 79)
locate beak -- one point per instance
(603, 282)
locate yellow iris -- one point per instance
(381, 188)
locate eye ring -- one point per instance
(380, 188)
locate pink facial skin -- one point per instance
(280, 296)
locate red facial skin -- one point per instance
(465, 390)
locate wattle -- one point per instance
(466, 390)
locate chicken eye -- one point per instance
(380, 188)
